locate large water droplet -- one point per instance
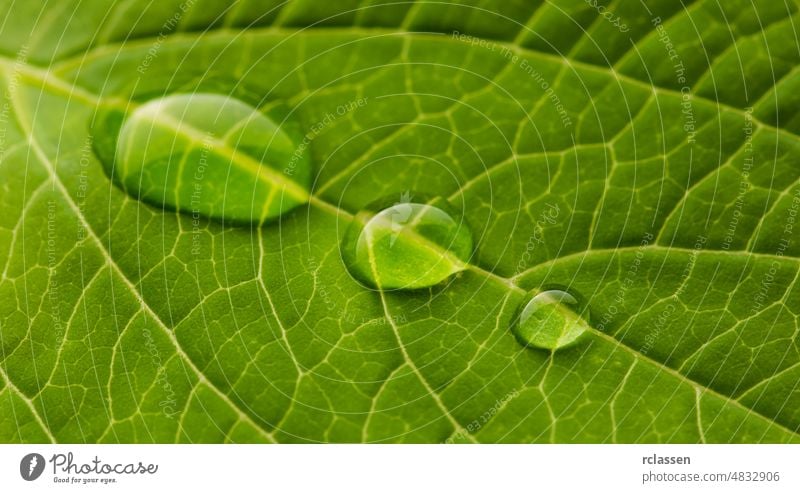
(211, 155)
(551, 319)
(407, 245)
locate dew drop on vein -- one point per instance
(403, 244)
(211, 155)
(551, 319)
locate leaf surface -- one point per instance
(653, 171)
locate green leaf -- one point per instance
(651, 170)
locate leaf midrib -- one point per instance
(511, 285)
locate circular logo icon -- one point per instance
(31, 467)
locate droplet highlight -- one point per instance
(211, 155)
(407, 244)
(551, 319)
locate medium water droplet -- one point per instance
(206, 154)
(407, 244)
(551, 319)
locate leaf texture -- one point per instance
(652, 170)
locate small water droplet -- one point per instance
(406, 243)
(551, 319)
(206, 154)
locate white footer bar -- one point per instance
(401, 468)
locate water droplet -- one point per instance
(407, 244)
(551, 319)
(206, 154)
